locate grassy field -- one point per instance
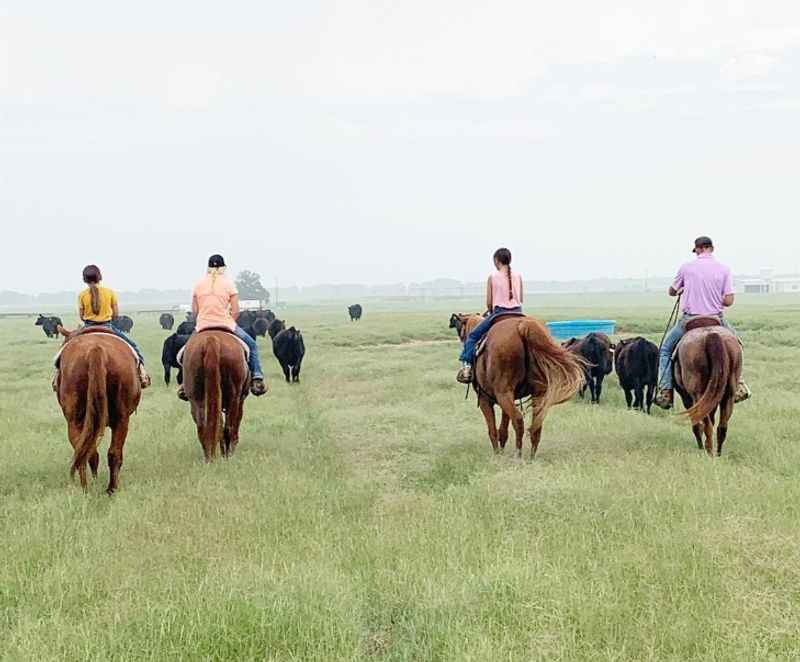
(365, 518)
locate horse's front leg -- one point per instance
(487, 409)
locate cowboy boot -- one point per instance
(664, 398)
(258, 386)
(144, 378)
(464, 375)
(181, 393)
(742, 392)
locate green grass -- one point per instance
(364, 517)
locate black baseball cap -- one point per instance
(216, 261)
(702, 242)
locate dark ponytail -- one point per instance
(92, 276)
(503, 256)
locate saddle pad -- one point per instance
(111, 334)
(242, 344)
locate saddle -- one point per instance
(225, 329)
(702, 321)
(482, 342)
(86, 330)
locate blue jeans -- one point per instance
(121, 334)
(468, 353)
(670, 343)
(253, 362)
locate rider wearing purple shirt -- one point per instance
(707, 289)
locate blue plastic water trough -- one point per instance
(579, 328)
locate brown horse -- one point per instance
(707, 371)
(215, 378)
(521, 359)
(97, 386)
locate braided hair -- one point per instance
(503, 256)
(92, 276)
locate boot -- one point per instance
(181, 393)
(464, 375)
(664, 398)
(144, 378)
(742, 392)
(258, 386)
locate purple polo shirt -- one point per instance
(705, 282)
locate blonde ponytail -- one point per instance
(215, 273)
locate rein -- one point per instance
(673, 320)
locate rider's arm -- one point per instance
(521, 298)
(235, 306)
(80, 310)
(727, 300)
(115, 308)
(489, 305)
(673, 292)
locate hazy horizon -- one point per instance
(359, 142)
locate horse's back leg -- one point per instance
(503, 431)
(233, 420)
(118, 435)
(94, 463)
(725, 412)
(536, 437)
(509, 407)
(487, 409)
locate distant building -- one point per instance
(767, 283)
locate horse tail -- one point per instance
(212, 392)
(554, 372)
(95, 418)
(718, 379)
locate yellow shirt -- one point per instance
(107, 300)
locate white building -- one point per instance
(767, 283)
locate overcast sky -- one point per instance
(381, 141)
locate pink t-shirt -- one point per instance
(705, 282)
(500, 294)
(214, 301)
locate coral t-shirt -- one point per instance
(213, 295)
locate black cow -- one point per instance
(596, 350)
(123, 323)
(49, 325)
(289, 349)
(355, 312)
(636, 364)
(246, 318)
(276, 327)
(166, 321)
(265, 314)
(169, 355)
(186, 328)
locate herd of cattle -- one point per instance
(287, 343)
(634, 359)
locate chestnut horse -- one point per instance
(216, 380)
(97, 386)
(706, 372)
(520, 359)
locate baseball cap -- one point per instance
(216, 261)
(702, 242)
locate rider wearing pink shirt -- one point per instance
(707, 289)
(503, 297)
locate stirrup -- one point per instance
(464, 375)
